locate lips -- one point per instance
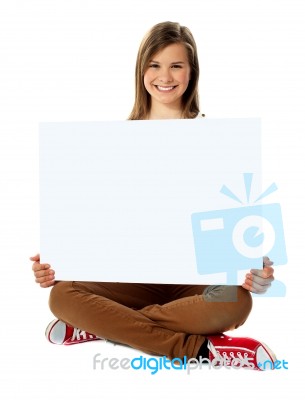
(165, 88)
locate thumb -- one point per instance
(35, 258)
(267, 262)
(268, 271)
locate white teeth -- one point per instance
(165, 88)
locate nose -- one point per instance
(165, 76)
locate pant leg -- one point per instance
(202, 310)
(99, 308)
(130, 313)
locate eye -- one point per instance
(176, 66)
(154, 66)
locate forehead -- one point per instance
(172, 52)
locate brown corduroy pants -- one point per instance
(158, 319)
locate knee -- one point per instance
(245, 304)
(58, 296)
(227, 294)
(234, 304)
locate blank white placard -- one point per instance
(116, 198)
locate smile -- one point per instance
(165, 88)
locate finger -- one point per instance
(257, 284)
(259, 280)
(45, 279)
(266, 272)
(35, 258)
(42, 273)
(247, 287)
(46, 283)
(38, 267)
(252, 289)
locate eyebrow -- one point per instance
(176, 62)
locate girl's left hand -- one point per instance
(259, 280)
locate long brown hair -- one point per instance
(157, 38)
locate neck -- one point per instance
(165, 111)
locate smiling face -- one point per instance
(167, 77)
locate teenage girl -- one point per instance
(166, 320)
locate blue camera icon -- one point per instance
(238, 238)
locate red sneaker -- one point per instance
(58, 332)
(240, 352)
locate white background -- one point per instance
(74, 61)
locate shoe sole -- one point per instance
(271, 355)
(49, 329)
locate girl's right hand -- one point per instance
(44, 275)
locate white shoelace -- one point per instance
(77, 333)
(224, 357)
(212, 349)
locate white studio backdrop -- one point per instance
(74, 61)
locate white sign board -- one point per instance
(122, 201)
